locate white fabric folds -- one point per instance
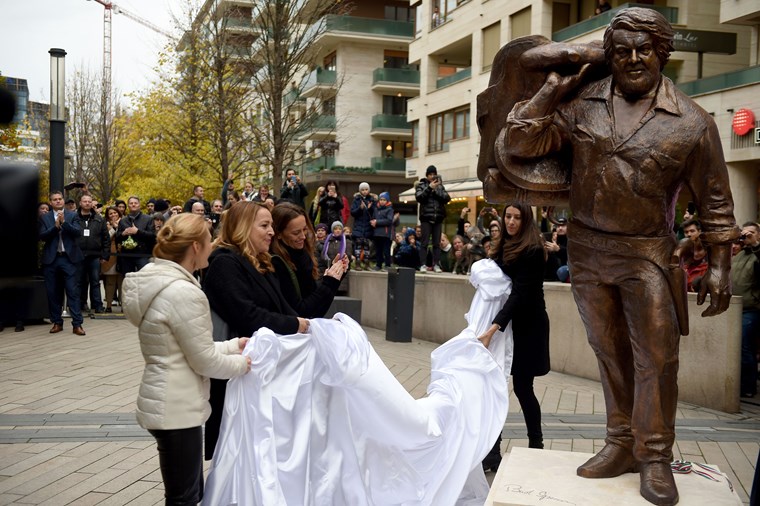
(321, 421)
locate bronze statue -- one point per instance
(602, 128)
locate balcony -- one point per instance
(392, 81)
(319, 82)
(390, 124)
(234, 24)
(238, 52)
(390, 164)
(722, 82)
(293, 98)
(322, 128)
(603, 19)
(318, 164)
(454, 78)
(337, 29)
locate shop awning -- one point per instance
(471, 187)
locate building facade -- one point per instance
(456, 40)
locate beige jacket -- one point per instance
(172, 314)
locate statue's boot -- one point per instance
(657, 484)
(612, 460)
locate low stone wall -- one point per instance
(709, 358)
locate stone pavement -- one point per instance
(68, 433)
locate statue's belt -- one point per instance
(657, 250)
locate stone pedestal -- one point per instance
(547, 478)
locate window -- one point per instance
(448, 126)
(394, 105)
(395, 59)
(398, 13)
(328, 107)
(331, 61)
(491, 43)
(415, 148)
(520, 23)
(395, 149)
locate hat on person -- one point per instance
(321, 226)
(431, 170)
(336, 223)
(161, 205)
(562, 221)
(386, 196)
(158, 216)
(70, 201)
(409, 232)
(151, 201)
(363, 186)
(98, 205)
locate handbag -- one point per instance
(220, 330)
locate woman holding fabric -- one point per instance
(243, 290)
(295, 264)
(520, 254)
(165, 302)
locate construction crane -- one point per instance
(109, 8)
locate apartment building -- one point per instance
(361, 81)
(716, 62)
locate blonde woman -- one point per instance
(315, 214)
(243, 290)
(165, 302)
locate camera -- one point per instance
(293, 179)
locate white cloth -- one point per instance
(320, 420)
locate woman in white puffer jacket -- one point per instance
(165, 302)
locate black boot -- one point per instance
(493, 459)
(536, 442)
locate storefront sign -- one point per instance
(700, 41)
(743, 121)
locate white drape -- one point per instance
(320, 420)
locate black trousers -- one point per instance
(181, 461)
(429, 229)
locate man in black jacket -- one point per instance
(198, 193)
(95, 244)
(137, 236)
(293, 190)
(432, 198)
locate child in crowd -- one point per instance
(409, 252)
(336, 244)
(382, 224)
(321, 234)
(363, 209)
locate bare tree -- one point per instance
(283, 54)
(97, 156)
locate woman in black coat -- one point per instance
(242, 289)
(331, 204)
(295, 265)
(520, 254)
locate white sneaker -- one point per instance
(423, 269)
(437, 268)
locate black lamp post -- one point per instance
(57, 117)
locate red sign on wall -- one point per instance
(743, 122)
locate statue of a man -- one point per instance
(633, 140)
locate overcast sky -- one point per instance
(29, 28)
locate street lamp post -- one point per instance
(57, 117)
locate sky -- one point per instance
(30, 28)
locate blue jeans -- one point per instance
(750, 329)
(89, 278)
(62, 271)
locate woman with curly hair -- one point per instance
(520, 254)
(243, 290)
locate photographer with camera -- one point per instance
(745, 280)
(432, 197)
(293, 190)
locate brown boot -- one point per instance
(657, 484)
(612, 460)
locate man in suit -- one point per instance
(61, 257)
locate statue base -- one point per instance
(547, 478)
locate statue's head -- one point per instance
(637, 45)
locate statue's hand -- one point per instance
(565, 84)
(717, 282)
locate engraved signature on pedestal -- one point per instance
(542, 495)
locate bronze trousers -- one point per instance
(627, 308)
